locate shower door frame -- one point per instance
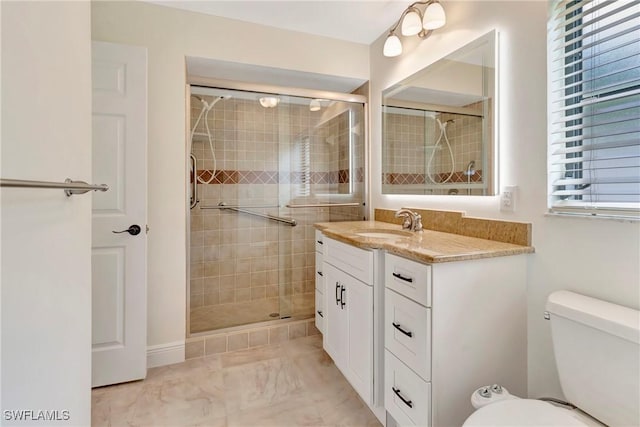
(261, 88)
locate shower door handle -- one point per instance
(134, 230)
(194, 182)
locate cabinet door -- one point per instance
(319, 311)
(319, 273)
(348, 328)
(335, 337)
(359, 310)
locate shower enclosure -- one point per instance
(264, 167)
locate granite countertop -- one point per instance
(427, 246)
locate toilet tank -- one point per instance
(597, 350)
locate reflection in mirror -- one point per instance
(337, 134)
(438, 126)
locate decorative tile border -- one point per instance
(223, 342)
(274, 177)
(419, 178)
(518, 233)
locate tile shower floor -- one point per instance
(213, 317)
(292, 384)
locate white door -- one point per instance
(119, 261)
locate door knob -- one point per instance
(134, 230)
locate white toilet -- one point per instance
(597, 351)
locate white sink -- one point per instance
(383, 234)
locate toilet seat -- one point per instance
(522, 412)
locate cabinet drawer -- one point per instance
(319, 241)
(407, 332)
(355, 261)
(407, 397)
(319, 311)
(319, 274)
(408, 278)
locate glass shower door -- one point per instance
(268, 167)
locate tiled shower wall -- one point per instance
(244, 268)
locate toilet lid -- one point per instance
(522, 412)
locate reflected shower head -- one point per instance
(470, 168)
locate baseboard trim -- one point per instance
(165, 354)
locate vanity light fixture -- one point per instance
(415, 22)
(269, 101)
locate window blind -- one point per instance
(594, 107)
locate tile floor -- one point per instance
(290, 384)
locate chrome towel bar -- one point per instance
(69, 186)
(324, 205)
(223, 206)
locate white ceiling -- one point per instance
(360, 21)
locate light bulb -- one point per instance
(434, 17)
(412, 23)
(269, 101)
(392, 46)
(314, 105)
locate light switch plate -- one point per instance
(508, 198)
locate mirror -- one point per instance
(439, 126)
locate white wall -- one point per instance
(170, 35)
(592, 256)
(46, 237)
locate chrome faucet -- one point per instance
(412, 220)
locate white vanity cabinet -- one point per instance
(349, 336)
(450, 328)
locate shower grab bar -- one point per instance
(194, 185)
(292, 222)
(223, 206)
(69, 186)
(324, 205)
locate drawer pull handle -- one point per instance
(320, 242)
(401, 277)
(320, 273)
(405, 401)
(342, 303)
(337, 289)
(407, 333)
(320, 313)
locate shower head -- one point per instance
(470, 168)
(444, 125)
(208, 106)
